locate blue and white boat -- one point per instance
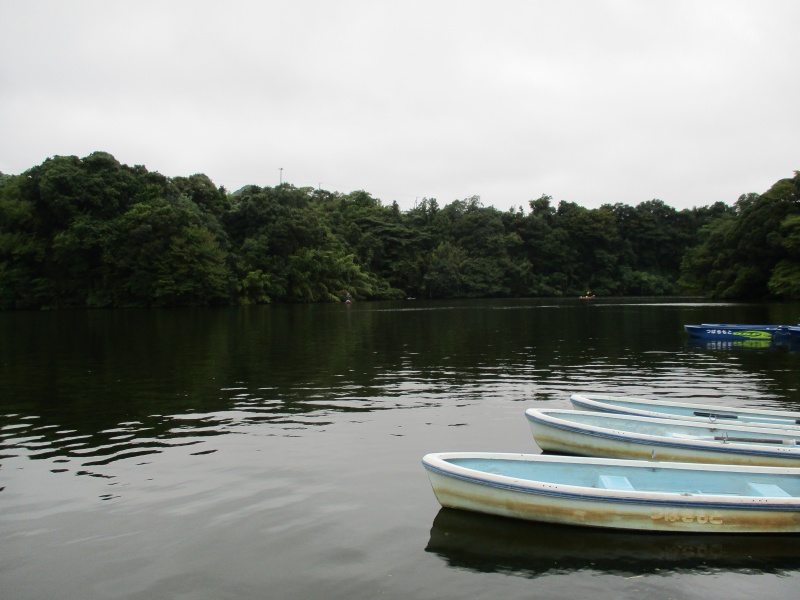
(699, 413)
(621, 494)
(598, 434)
(734, 332)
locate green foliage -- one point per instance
(784, 281)
(642, 283)
(751, 253)
(92, 232)
(254, 288)
(444, 278)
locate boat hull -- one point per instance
(698, 413)
(584, 506)
(609, 436)
(721, 331)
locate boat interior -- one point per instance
(661, 478)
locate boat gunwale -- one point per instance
(753, 326)
(765, 412)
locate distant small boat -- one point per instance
(626, 436)
(619, 494)
(721, 331)
(701, 413)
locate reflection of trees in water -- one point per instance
(104, 385)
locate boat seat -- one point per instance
(766, 489)
(615, 482)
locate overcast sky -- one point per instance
(593, 102)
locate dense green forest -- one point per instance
(93, 232)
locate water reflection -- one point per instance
(490, 544)
(86, 453)
(286, 434)
(99, 386)
(784, 344)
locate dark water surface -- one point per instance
(274, 452)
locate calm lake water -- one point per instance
(274, 452)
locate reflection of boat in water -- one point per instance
(740, 345)
(487, 543)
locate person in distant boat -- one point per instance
(348, 299)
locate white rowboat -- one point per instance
(586, 433)
(619, 494)
(700, 413)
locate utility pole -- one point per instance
(281, 179)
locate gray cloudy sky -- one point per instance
(691, 102)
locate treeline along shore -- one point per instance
(93, 233)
